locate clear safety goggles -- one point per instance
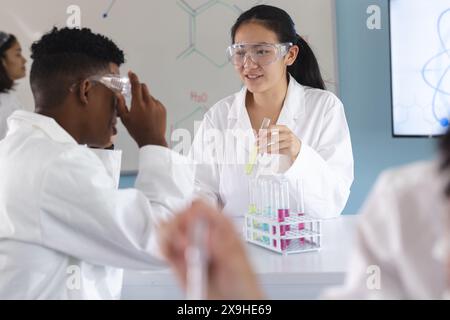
(262, 54)
(114, 82)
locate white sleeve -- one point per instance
(326, 171)
(372, 271)
(83, 215)
(207, 176)
(112, 160)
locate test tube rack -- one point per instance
(272, 224)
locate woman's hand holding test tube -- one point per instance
(253, 161)
(280, 140)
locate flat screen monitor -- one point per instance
(420, 67)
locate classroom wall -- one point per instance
(364, 81)
(364, 73)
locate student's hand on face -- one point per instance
(230, 274)
(146, 119)
(280, 140)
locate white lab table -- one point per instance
(298, 276)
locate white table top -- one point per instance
(324, 268)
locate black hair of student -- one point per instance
(64, 57)
(306, 68)
(6, 83)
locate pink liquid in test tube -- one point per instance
(282, 230)
(281, 215)
(283, 245)
(300, 203)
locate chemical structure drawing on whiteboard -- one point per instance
(225, 12)
(108, 9)
(187, 120)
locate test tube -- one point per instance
(287, 206)
(301, 198)
(286, 197)
(270, 203)
(253, 161)
(255, 185)
(284, 245)
(275, 206)
(268, 208)
(280, 207)
(263, 196)
(252, 199)
(281, 212)
(258, 185)
(300, 203)
(270, 197)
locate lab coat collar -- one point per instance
(293, 108)
(294, 104)
(46, 124)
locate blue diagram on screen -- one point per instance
(420, 59)
(436, 75)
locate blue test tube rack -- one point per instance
(272, 224)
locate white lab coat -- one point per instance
(66, 231)
(402, 221)
(8, 104)
(324, 165)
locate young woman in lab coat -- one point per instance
(309, 129)
(12, 68)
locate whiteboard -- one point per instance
(177, 47)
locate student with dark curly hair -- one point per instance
(66, 231)
(12, 68)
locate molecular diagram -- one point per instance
(436, 75)
(196, 41)
(108, 10)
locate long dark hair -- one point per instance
(305, 69)
(6, 83)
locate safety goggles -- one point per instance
(262, 54)
(116, 83)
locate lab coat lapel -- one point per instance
(294, 105)
(239, 120)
